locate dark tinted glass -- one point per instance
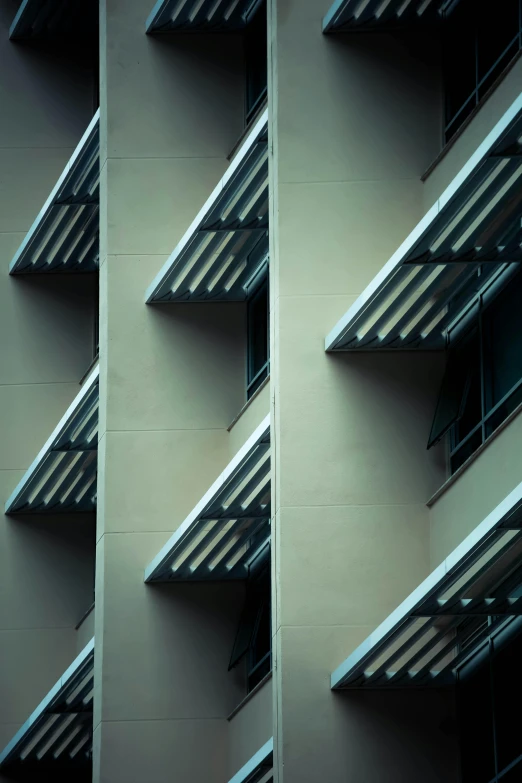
(480, 38)
(507, 683)
(459, 47)
(258, 342)
(476, 720)
(256, 60)
(502, 328)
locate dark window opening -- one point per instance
(489, 689)
(258, 339)
(480, 39)
(253, 642)
(256, 61)
(482, 385)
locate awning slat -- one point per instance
(52, 730)
(474, 225)
(62, 478)
(259, 768)
(481, 578)
(227, 242)
(65, 235)
(229, 523)
(194, 15)
(354, 15)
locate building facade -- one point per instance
(261, 390)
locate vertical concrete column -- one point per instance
(172, 380)
(355, 121)
(45, 348)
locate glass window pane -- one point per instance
(497, 29)
(455, 390)
(507, 681)
(502, 329)
(476, 720)
(256, 59)
(458, 50)
(258, 343)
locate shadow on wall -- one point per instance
(53, 558)
(391, 398)
(408, 735)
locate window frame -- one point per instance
(253, 103)
(255, 379)
(453, 123)
(257, 600)
(484, 428)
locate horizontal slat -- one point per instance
(59, 723)
(65, 235)
(475, 224)
(419, 644)
(47, 18)
(367, 14)
(230, 523)
(62, 478)
(258, 767)
(227, 243)
(200, 15)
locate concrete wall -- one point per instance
(476, 490)
(472, 136)
(355, 122)
(172, 381)
(249, 728)
(46, 335)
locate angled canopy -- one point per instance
(477, 589)
(59, 732)
(65, 235)
(259, 769)
(367, 14)
(44, 18)
(200, 15)
(469, 236)
(227, 243)
(62, 478)
(229, 526)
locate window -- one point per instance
(483, 380)
(256, 60)
(258, 339)
(253, 642)
(480, 39)
(489, 689)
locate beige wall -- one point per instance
(172, 380)
(356, 120)
(472, 136)
(476, 491)
(249, 728)
(46, 334)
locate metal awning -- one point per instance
(65, 235)
(259, 769)
(169, 16)
(229, 527)
(471, 594)
(45, 18)
(227, 243)
(368, 14)
(471, 234)
(59, 732)
(62, 478)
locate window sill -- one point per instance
(247, 129)
(249, 402)
(85, 616)
(456, 136)
(471, 459)
(250, 695)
